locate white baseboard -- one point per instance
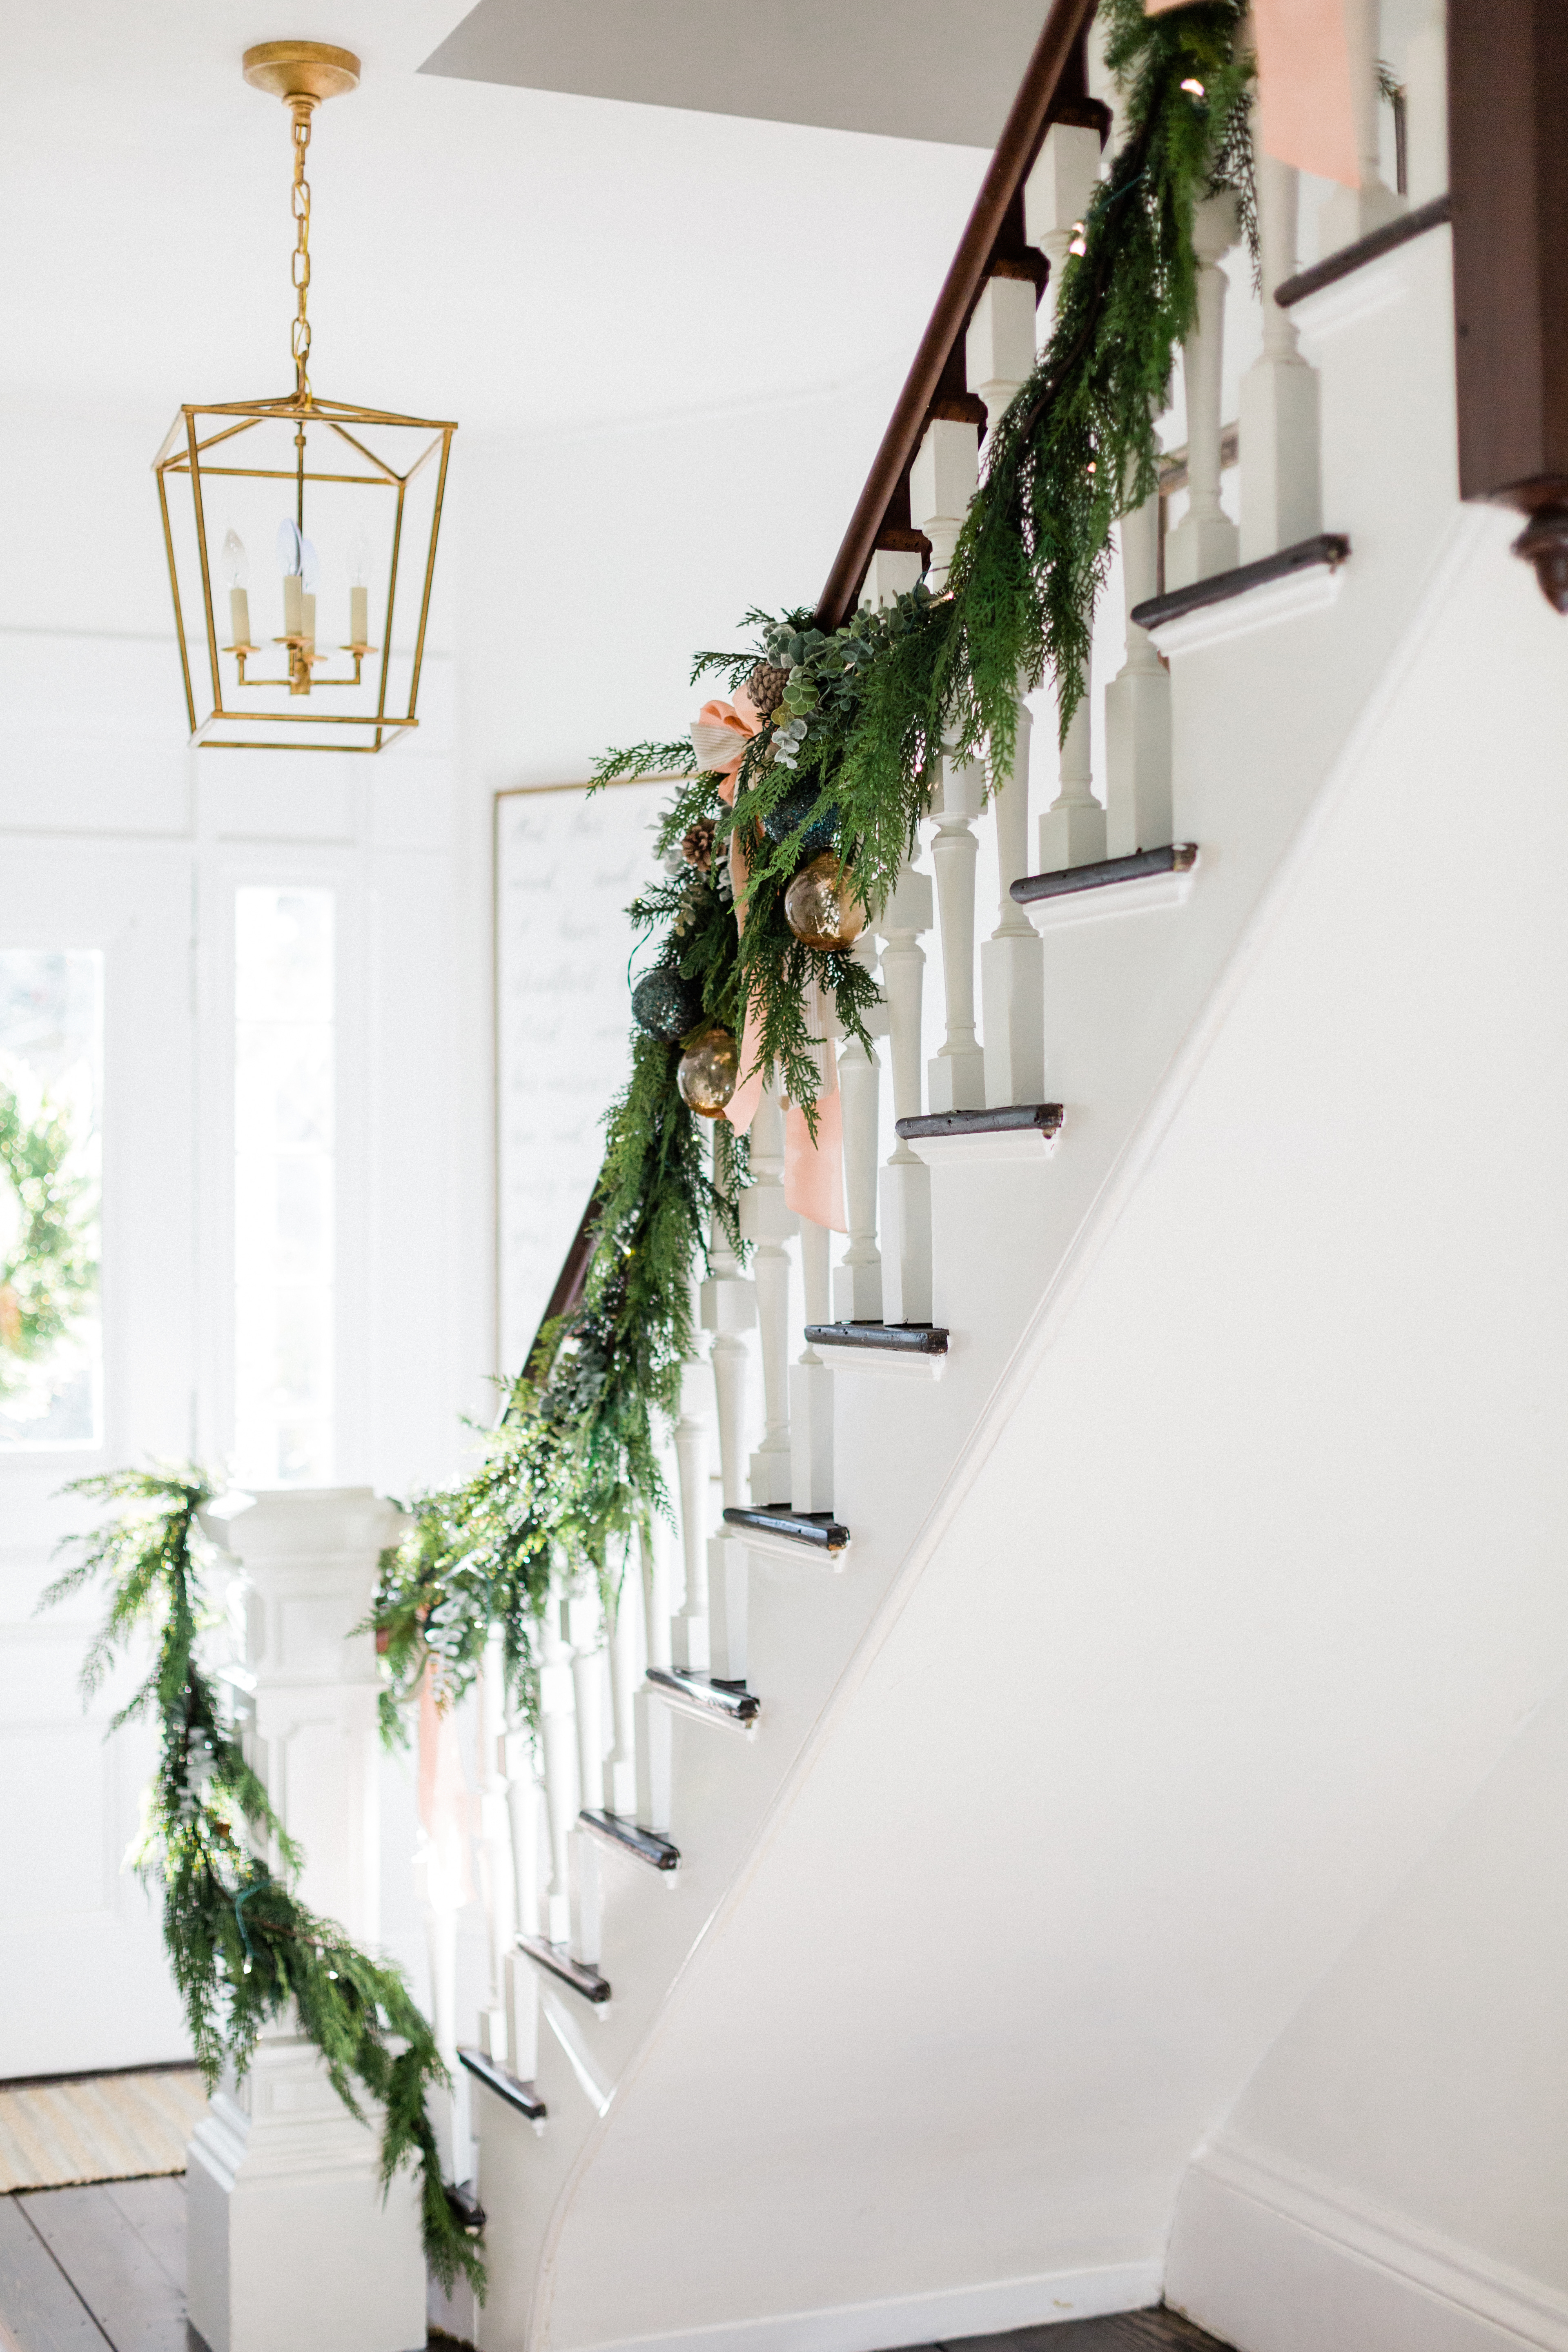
(1273, 2258)
(920, 2318)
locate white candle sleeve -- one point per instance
(308, 619)
(359, 616)
(293, 603)
(239, 617)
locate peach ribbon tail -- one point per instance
(814, 1172)
(739, 717)
(1305, 93)
(443, 1800)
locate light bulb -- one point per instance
(289, 546)
(359, 560)
(236, 563)
(310, 565)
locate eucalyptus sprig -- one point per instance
(241, 1944)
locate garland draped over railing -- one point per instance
(851, 724)
(241, 1944)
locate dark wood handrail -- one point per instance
(1051, 88)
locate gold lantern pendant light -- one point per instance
(340, 504)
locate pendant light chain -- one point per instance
(299, 261)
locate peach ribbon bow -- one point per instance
(1305, 93)
(813, 1171)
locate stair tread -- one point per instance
(647, 1844)
(725, 1702)
(560, 1963)
(1328, 547)
(820, 1530)
(1009, 1118)
(1173, 857)
(504, 2083)
(897, 1339)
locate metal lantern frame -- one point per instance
(206, 444)
(184, 459)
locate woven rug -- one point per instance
(100, 2128)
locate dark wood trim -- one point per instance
(1329, 547)
(1175, 857)
(567, 1295)
(1508, 171)
(1351, 258)
(1010, 1118)
(1053, 88)
(647, 1844)
(891, 1339)
(819, 1530)
(559, 1961)
(504, 2084)
(719, 1702)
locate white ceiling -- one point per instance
(506, 255)
(910, 68)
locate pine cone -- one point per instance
(697, 843)
(766, 686)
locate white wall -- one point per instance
(1393, 2174)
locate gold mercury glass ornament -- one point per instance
(708, 1072)
(819, 906)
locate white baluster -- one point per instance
(1350, 213)
(729, 1307)
(768, 1224)
(892, 573)
(691, 1633)
(525, 1799)
(1281, 494)
(1138, 705)
(620, 1765)
(497, 1884)
(654, 1722)
(941, 482)
(1056, 196)
(558, 1747)
(904, 1191)
(1011, 961)
(1205, 540)
(811, 1380)
(858, 1277)
(586, 1632)
(999, 349)
(956, 1075)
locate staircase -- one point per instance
(925, 1859)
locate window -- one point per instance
(283, 1186)
(51, 1086)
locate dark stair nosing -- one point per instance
(559, 1961)
(725, 1702)
(891, 1339)
(647, 1844)
(465, 2208)
(1328, 548)
(817, 1529)
(1175, 858)
(1387, 239)
(504, 2084)
(1009, 1118)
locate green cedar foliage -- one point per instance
(49, 1272)
(570, 1475)
(241, 1944)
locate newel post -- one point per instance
(279, 2162)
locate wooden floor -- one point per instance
(83, 2268)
